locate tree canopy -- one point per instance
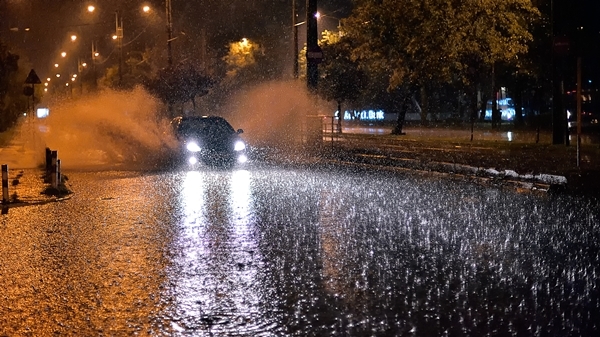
(340, 78)
(179, 84)
(420, 41)
(12, 101)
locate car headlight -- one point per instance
(193, 147)
(239, 146)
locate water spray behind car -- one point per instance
(111, 128)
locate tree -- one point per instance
(417, 42)
(137, 70)
(241, 55)
(12, 101)
(179, 84)
(341, 79)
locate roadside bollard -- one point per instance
(58, 175)
(54, 170)
(48, 161)
(5, 184)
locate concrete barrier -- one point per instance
(5, 198)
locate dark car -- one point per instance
(210, 140)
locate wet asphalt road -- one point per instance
(270, 251)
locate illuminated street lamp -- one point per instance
(73, 37)
(55, 65)
(57, 75)
(91, 8)
(63, 54)
(146, 9)
(48, 79)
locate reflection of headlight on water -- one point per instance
(192, 147)
(239, 146)
(242, 159)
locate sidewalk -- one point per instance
(500, 155)
(25, 175)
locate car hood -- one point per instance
(214, 142)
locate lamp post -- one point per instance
(119, 38)
(80, 66)
(312, 46)
(169, 31)
(295, 34)
(94, 56)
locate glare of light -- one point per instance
(73, 79)
(48, 79)
(84, 64)
(317, 15)
(242, 159)
(63, 54)
(509, 135)
(192, 196)
(66, 84)
(91, 8)
(192, 147)
(96, 54)
(146, 9)
(114, 37)
(192, 160)
(45, 89)
(42, 112)
(46, 84)
(239, 146)
(27, 29)
(57, 75)
(240, 199)
(73, 37)
(55, 65)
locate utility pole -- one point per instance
(313, 52)
(169, 32)
(94, 55)
(79, 78)
(295, 34)
(119, 35)
(560, 47)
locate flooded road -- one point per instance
(269, 251)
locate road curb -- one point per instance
(34, 203)
(527, 182)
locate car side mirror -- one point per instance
(240, 131)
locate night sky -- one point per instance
(51, 22)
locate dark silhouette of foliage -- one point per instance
(418, 42)
(9, 88)
(179, 84)
(341, 78)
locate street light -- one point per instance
(339, 25)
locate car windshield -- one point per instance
(204, 126)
